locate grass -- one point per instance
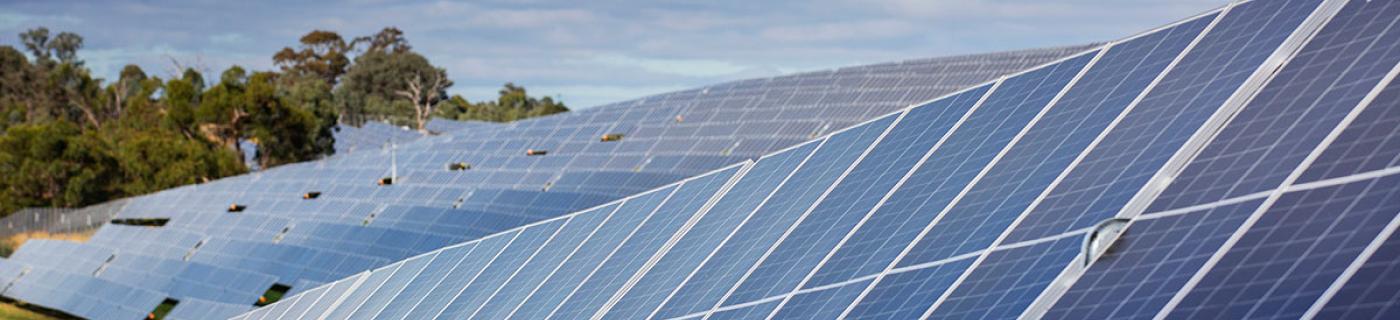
(13, 312)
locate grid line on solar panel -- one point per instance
(603, 206)
(595, 259)
(976, 182)
(1293, 177)
(353, 299)
(908, 293)
(307, 298)
(591, 266)
(707, 196)
(1320, 87)
(837, 154)
(808, 154)
(748, 312)
(735, 208)
(1367, 290)
(884, 130)
(1285, 74)
(439, 268)
(997, 289)
(479, 252)
(829, 223)
(340, 290)
(1361, 261)
(886, 236)
(1242, 278)
(1116, 116)
(1369, 142)
(524, 246)
(1220, 68)
(1145, 266)
(1173, 55)
(827, 303)
(1314, 15)
(381, 295)
(562, 241)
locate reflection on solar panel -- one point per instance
(1250, 150)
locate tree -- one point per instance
(179, 101)
(283, 133)
(389, 39)
(68, 139)
(154, 160)
(20, 95)
(52, 164)
(129, 85)
(64, 46)
(514, 103)
(327, 55)
(370, 89)
(322, 54)
(313, 96)
(219, 117)
(425, 93)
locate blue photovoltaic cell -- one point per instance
(406, 272)
(1371, 142)
(707, 234)
(579, 228)
(482, 252)
(1004, 284)
(332, 295)
(275, 311)
(1173, 110)
(1372, 291)
(499, 270)
(906, 295)
(588, 256)
(355, 298)
(752, 312)
(1107, 88)
(668, 220)
(1149, 263)
(1294, 252)
(303, 303)
(424, 282)
(872, 178)
(995, 200)
(709, 284)
(827, 303)
(931, 187)
(1298, 108)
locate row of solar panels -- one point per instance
(280, 236)
(1239, 164)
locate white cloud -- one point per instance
(840, 31)
(679, 67)
(228, 39)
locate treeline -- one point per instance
(69, 139)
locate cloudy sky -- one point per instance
(589, 52)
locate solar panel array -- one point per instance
(226, 242)
(1243, 163)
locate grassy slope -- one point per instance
(9, 311)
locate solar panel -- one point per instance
(1235, 164)
(987, 203)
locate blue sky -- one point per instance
(589, 52)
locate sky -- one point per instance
(587, 52)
